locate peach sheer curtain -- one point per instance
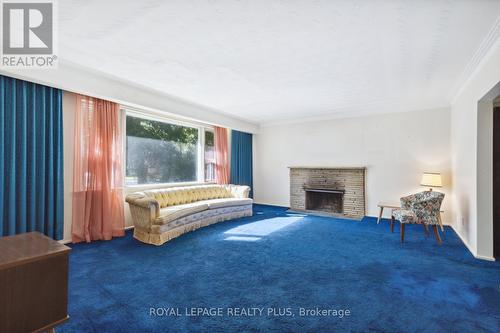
(221, 156)
(98, 205)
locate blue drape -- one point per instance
(31, 158)
(241, 159)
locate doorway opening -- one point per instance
(496, 181)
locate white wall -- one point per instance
(395, 148)
(464, 151)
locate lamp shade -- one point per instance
(431, 179)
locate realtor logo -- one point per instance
(28, 29)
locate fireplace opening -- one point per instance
(325, 200)
(328, 191)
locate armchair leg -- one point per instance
(392, 223)
(402, 232)
(426, 229)
(436, 232)
(440, 222)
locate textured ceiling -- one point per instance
(268, 61)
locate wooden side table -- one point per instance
(382, 205)
(33, 283)
(392, 205)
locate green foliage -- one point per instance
(209, 138)
(158, 152)
(150, 129)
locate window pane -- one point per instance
(159, 152)
(209, 156)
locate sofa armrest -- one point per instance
(239, 191)
(141, 200)
(144, 210)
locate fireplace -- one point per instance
(332, 191)
(328, 200)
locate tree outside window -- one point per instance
(160, 152)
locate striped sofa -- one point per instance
(160, 215)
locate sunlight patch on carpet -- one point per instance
(264, 227)
(242, 238)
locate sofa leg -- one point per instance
(402, 232)
(392, 223)
(436, 232)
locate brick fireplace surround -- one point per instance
(344, 184)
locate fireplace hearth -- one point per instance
(332, 191)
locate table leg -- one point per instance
(380, 214)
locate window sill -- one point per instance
(140, 187)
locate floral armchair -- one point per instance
(422, 208)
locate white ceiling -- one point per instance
(270, 61)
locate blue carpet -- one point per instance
(281, 262)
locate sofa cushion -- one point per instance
(171, 213)
(227, 202)
(204, 216)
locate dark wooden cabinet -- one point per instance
(33, 283)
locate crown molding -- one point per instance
(489, 43)
(362, 110)
(79, 79)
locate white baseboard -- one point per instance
(485, 258)
(67, 241)
(270, 204)
(477, 256)
(464, 241)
